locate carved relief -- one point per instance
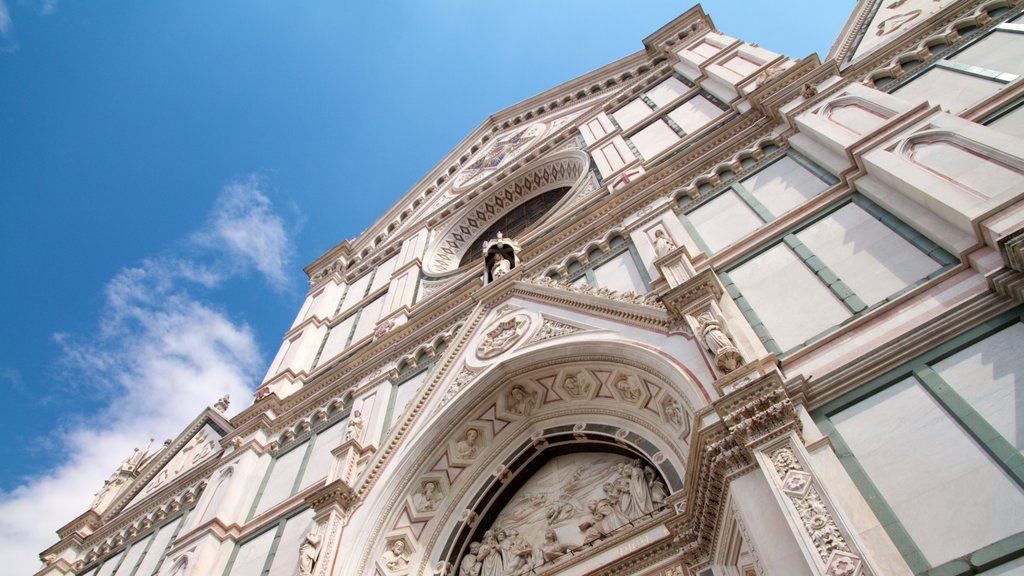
(465, 377)
(503, 336)
(570, 501)
(578, 384)
(663, 244)
(308, 553)
(426, 499)
(709, 327)
(552, 329)
(394, 556)
(467, 447)
(354, 430)
(630, 387)
(521, 400)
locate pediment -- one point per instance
(197, 443)
(877, 23)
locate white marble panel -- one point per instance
(867, 255)
(252, 555)
(405, 394)
(355, 293)
(1011, 123)
(724, 220)
(133, 555)
(667, 91)
(620, 274)
(990, 376)
(382, 276)
(788, 298)
(999, 52)
(653, 139)
(336, 340)
(632, 114)
(695, 113)
(740, 65)
(282, 478)
(954, 91)
(368, 319)
(783, 185)
(156, 550)
(108, 567)
(286, 557)
(951, 498)
(320, 459)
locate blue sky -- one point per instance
(167, 169)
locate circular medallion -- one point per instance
(499, 153)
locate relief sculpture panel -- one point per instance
(572, 500)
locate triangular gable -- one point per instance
(876, 23)
(197, 443)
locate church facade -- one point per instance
(708, 310)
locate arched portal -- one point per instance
(605, 405)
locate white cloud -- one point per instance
(7, 41)
(161, 355)
(246, 229)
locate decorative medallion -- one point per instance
(503, 336)
(499, 154)
(796, 483)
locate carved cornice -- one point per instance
(758, 412)
(693, 293)
(337, 493)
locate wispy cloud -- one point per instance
(46, 7)
(160, 354)
(7, 40)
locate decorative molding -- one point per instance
(552, 329)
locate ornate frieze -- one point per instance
(502, 336)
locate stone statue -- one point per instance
(673, 413)
(727, 357)
(520, 554)
(662, 243)
(500, 266)
(576, 386)
(308, 552)
(470, 565)
(394, 557)
(354, 431)
(427, 498)
(222, 404)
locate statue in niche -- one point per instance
(354, 430)
(500, 266)
(308, 552)
(551, 549)
(467, 447)
(491, 563)
(630, 387)
(394, 557)
(521, 400)
(727, 357)
(470, 565)
(427, 498)
(575, 385)
(662, 243)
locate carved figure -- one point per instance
(576, 386)
(354, 431)
(428, 497)
(630, 387)
(662, 243)
(551, 548)
(467, 447)
(520, 554)
(222, 404)
(521, 401)
(589, 527)
(673, 413)
(503, 336)
(394, 557)
(491, 563)
(470, 565)
(727, 357)
(500, 266)
(611, 519)
(308, 552)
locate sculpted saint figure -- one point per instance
(500, 266)
(467, 447)
(491, 563)
(428, 497)
(520, 554)
(354, 431)
(308, 552)
(727, 357)
(521, 401)
(394, 557)
(630, 387)
(470, 565)
(662, 243)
